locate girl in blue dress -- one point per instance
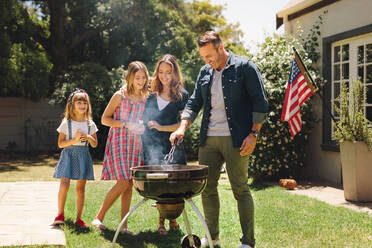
(76, 132)
(162, 116)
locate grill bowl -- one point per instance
(169, 183)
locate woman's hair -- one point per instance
(78, 95)
(177, 81)
(209, 37)
(134, 67)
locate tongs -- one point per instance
(169, 157)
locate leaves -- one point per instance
(277, 154)
(352, 125)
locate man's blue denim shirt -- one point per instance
(245, 99)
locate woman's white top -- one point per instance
(75, 125)
(161, 102)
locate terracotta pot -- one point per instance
(288, 183)
(356, 163)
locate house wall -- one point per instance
(28, 126)
(342, 16)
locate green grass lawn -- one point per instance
(32, 168)
(281, 219)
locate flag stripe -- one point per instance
(297, 92)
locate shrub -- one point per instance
(353, 125)
(192, 139)
(277, 154)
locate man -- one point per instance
(231, 92)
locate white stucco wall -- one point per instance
(342, 16)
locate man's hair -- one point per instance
(209, 37)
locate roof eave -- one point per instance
(300, 8)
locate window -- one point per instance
(340, 73)
(364, 71)
(345, 56)
(352, 60)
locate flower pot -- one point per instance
(356, 163)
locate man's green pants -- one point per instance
(217, 150)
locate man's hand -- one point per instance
(248, 145)
(177, 137)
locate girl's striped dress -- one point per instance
(123, 148)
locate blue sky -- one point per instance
(256, 17)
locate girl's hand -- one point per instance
(154, 125)
(137, 128)
(84, 137)
(78, 134)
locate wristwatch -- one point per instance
(255, 133)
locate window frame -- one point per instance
(327, 45)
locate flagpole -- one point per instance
(306, 70)
(312, 81)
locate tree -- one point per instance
(24, 67)
(5, 44)
(210, 17)
(114, 32)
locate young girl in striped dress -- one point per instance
(124, 148)
(76, 132)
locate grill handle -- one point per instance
(157, 176)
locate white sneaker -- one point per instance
(244, 246)
(205, 243)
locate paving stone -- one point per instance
(331, 195)
(26, 212)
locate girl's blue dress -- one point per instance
(75, 162)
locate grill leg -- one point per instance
(188, 228)
(189, 200)
(126, 217)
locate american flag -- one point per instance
(299, 89)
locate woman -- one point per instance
(161, 118)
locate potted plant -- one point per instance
(354, 134)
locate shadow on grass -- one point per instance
(5, 167)
(256, 185)
(141, 239)
(75, 229)
(14, 162)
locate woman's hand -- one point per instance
(154, 125)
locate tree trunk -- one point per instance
(58, 48)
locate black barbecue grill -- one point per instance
(170, 186)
